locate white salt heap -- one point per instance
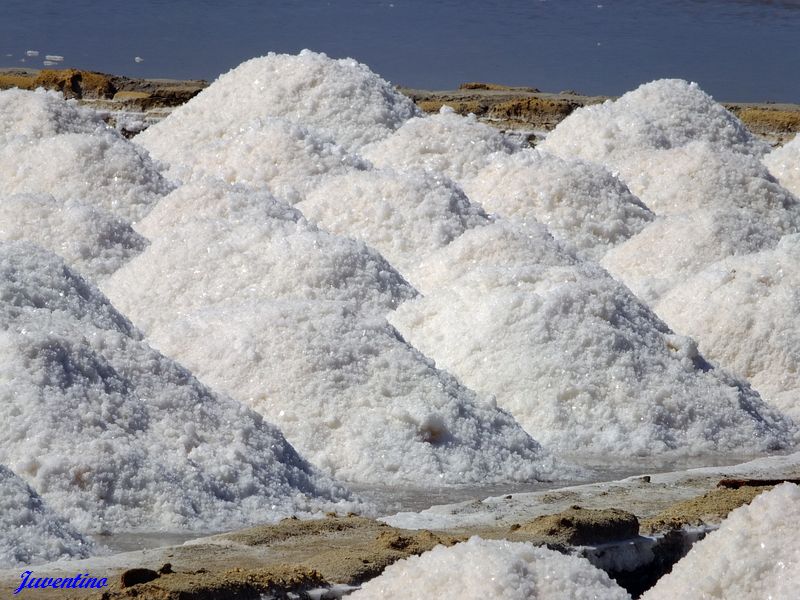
(480, 569)
(30, 532)
(89, 239)
(784, 164)
(580, 203)
(102, 169)
(289, 320)
(573, 355)
(213, 243)
(403, 214)
(716, 204)
(743, 311)
(445, 143)
(660, 115)
(272, 152)
(40, 114)
(686, 158)
(114, 435)
(342, 99)
(755, 554)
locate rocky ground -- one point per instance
(635, 529)
(144, 101)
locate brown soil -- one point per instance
(76, 84)
(578, 526)
(479, 85)
(709, 509)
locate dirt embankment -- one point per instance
(506, 107)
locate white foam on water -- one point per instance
(115, 436)
(30, 532)
(581, 203)
(573, 355)
(784, 164)
(754, 554)
(90, 240)
(289, 319)
(445, 143)
(479, 569)
(743, 312)
(342, 99)
(403, 214)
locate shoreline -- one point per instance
(524, 109)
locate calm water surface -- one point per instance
(736, 49)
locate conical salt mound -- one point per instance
(784, 164)
(445, 143)
(289, 320)
(754, 554)
(270, 152)
(573, 355)
(112, 434)
(103, 169)
(744, 313)
(40, 114)
(342, 99)
(498, 569)
(88, 238)
(581, 203)
(30, 532)
(663, 114)
(403, 214)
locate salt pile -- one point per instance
(403, 214)
(289, 319)
(30, 532)
(716, 203)
(573, 355)
(580, 203)
(479, 569)
(272, 152)
(445, 143)
(102, 169)
(784, 164)
(40, 114)
(114, 435)
(342, 99)
(754, 554)
(661, 115)
(89, 239)
(743, 311)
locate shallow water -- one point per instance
(739, 50)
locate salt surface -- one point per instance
(103, 169)
(89, 239)
(716, 203)
(114, 435)
(40, 114)
(663, 114)
(784, 163)
(289, 319)
(573, 355)
(580, 203)
(30, 532)
(479, 569)
(403, 214)
(271, 152)
(743, 311)
(445, 143)
(754, 554)
(343, 99)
